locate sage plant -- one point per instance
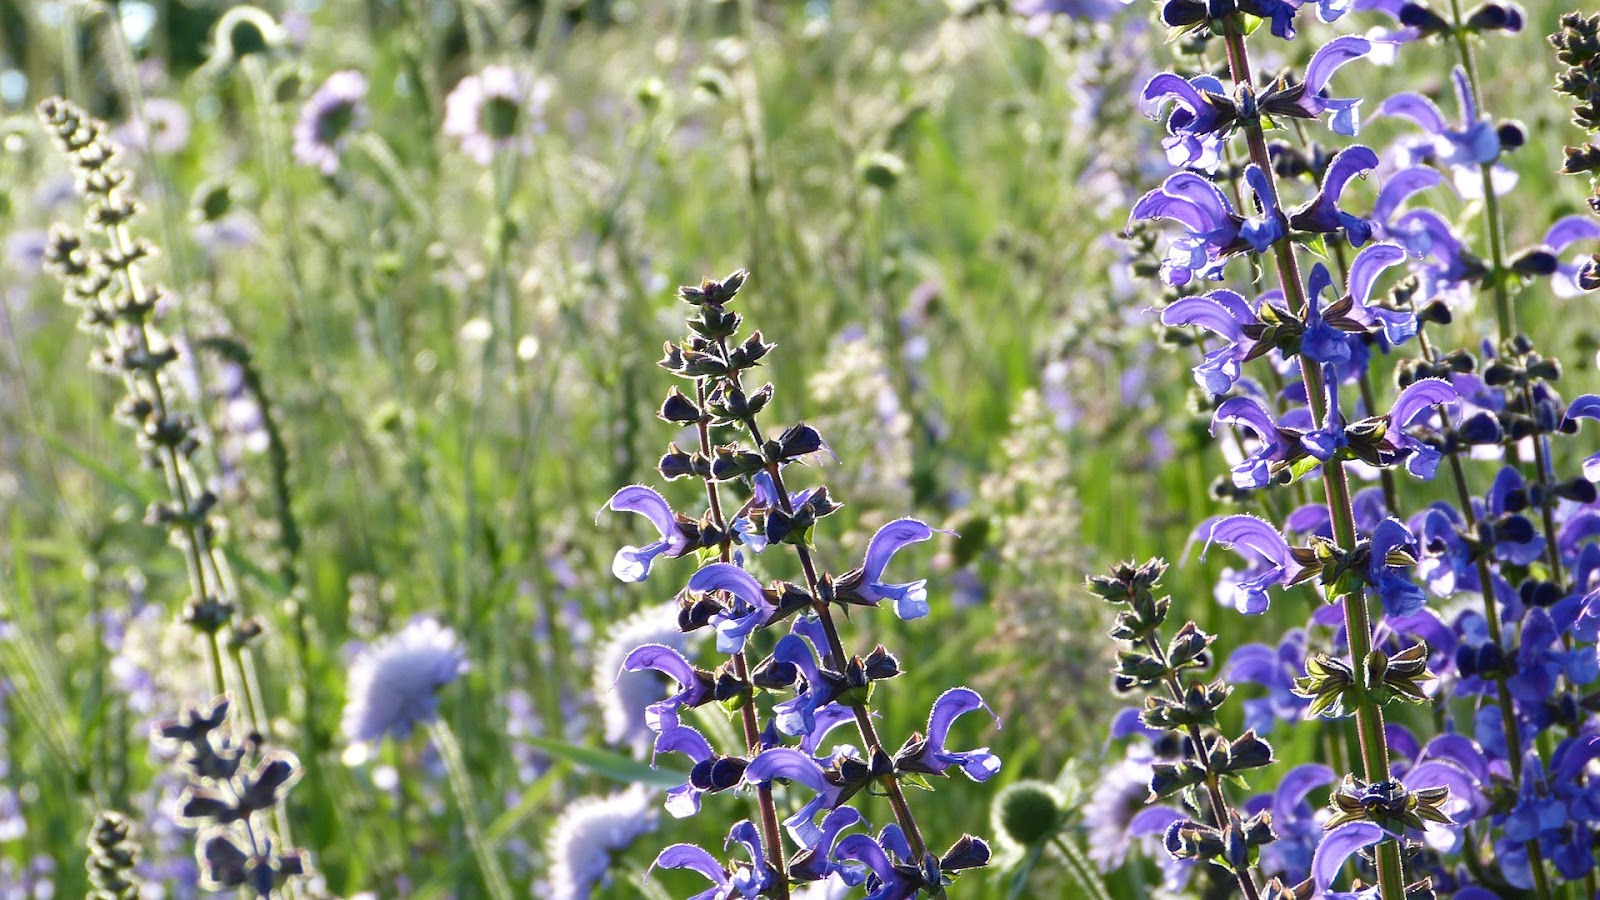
(1479, 602)
(785, 671)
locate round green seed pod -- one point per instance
(1028, 813)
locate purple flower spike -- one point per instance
(1587, 407)
(632, 564)
(1272, 567)
(866, 585)
(1346, 119)
(751, 608)
(1414, 405)
(931, 756)
(1323, 215)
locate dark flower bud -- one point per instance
(1425, 20)
(880, 664)
(967, 853)
(678, 408)
(1183, 13)
(1495, 17)
(1580, 159)
(1513, 134)
(1577, 489)
(1535, 261)
(1482, 429)
(1516, 529)
(1539, 593)
(1247, 752)
(270, 781)
(1589, 274)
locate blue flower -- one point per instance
(1587, 407)
(1294, 821)
(694, 686)
(1398, 326)
(794, 765)
(1225, 314)
(890, 881)
(930, 755)
(1346, 119)
(1416, 405)
(394, 682)
(1322, 213)
(1198, 123)
(1256, 469)
(1272, 565)
(817, 863)
(1336, 848)
(750, 609)
(1274, 668)
(1395, 589)
(866, 585)
(1464, 150)
(1321, 341)
(747, 880)
(632, 564)
(1205, 213)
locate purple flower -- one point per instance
(486, 112)
(394, 682)
(1395, 589)
(1274, 668)
(632, 564)
(892, 882)
(161, 127)
(1214, 231)
(1225, 314)
(1398, 326)
(1272, 565)
(742, 880)
(327, 118)
(866, 585)
(1464, 151)
(793, 765)
(1313, 101)
(695, 686)
(1338, 846)
(1196, 127)
(1322, 214)
(930, 754)
(750, 608)
(1293, 821)
(1563, 234)
(1272, 447)
(1417, 404)
(1587, 407)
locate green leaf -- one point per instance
(612, 765)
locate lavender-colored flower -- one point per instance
(161, 127)
(930, 754)
(1293, 821)
(587, 833)
(747, 880)
(866, 585)
(1274, 668)
(632, 564)
(1225, 314)
(487, 112)
(327, 119)
(1563, 234)
(799, 767)
(1336, 848)
(394, 682)
(750, 608)
(1416, 405)
(1198, 124)
(1399, 594)
(893, 883)
(1587, 407)
(1118, 797)
(694, 686)
(1273, 565)
(1463, 151)
(1312, 99)
(624, 698)
(1215, 233)
(1272, 447)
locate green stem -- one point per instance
(494, 878)
(1373, 745)
(1080, 869)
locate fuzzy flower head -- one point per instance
(162, 126)
(486, 112)
(395, 681)
(586, 835)
(333, 111)
(624, 697)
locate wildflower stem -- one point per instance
(772, 835)
(837, 657)
(1197, 743)
(1358, 624)
(1505, 317)
(494, 878)
(1081, 871)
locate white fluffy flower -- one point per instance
(623, 697)
(586, 835)
(395, 681)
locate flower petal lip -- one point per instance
(1339, 845)
(648, 502)
(721, 576)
